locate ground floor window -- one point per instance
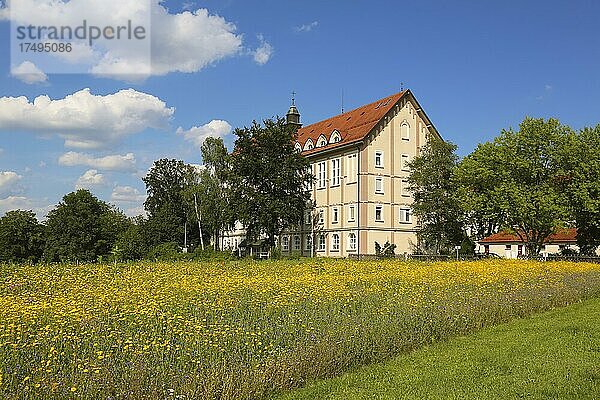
(352, 241)
(297, 242)
(308, 242)
(335, 242)
(285, 243)
(322, 243)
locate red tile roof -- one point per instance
(563, 235)
(353, 125)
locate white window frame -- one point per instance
(322, 177)
(405, 133)
(309, 169)
(322, 243)
(285, 243)
(335, 242)
(379, 185)
(351, 168)
(352, 241)
(404, 188)
(351, 213)
(379, 207)
(405, 159)
(405, 215)
(321, 216)
(297, 243)
(335, 172)
(335, 215)
(308, 242)
(379, 163)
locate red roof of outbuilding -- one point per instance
(353, 125)
(563, 235)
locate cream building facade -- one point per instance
(361, 196)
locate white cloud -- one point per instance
(29, 73)
(264, 52)
(90, 179)
(180, 42)
(127, 194)
(136, 211)
(197, 134)
(115, 162)
(12, 203)
(307, 27)
(85, 120)
(8, 182)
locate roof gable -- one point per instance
(352, 126)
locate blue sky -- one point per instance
(476, 68)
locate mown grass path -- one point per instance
(554, 355)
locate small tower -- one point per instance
(293, 115)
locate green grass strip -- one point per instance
(553, 355)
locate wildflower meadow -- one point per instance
(246, 330)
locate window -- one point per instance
(335, 137)
(309, 185)
(321, 242)
(335, 242)
(351, 168)
(297, 242)
(404, 188)
(322, 141)
(351, 213)
(321, 217)
(379, 213)
(405, 159)
(309, 145)
(285, 243)
(379, 185)
(307, 217)
(308, 242)
(322, 177)
(507, 247)
(379, 159)
(405, 131)
(335, 172)
(486, 249)
(335, 215)
(352, 241)
(297, 147)
(405, 215)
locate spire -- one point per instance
(293, 115)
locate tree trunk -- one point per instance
(199, 219)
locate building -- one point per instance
(510, 245)
(359, 159)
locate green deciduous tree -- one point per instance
(436, 204)
(21, 237)
(268, 179)
(514, 182)
(82, 228)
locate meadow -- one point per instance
(246, 330)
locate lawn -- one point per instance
(554, 355)
(247, 330)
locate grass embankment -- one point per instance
(246, 330)
(554, 355)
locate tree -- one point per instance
(130, 244)
(436, 204)
(166, 207)
(579, 178)
(82, 228)
(268, 179)
(515, 181)
(21, 237)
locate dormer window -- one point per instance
(298, 147)
(309, 145)
(322, 141)
(335, 137)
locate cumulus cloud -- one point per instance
(29, 73)
(307, 27)
(120, 163)
(264, 52)
(8, 182)
(127, 194)
(177, 42)
(89, 179)
(198, 134)
(13, 203)
(85, 120)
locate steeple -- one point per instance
(293, 115)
